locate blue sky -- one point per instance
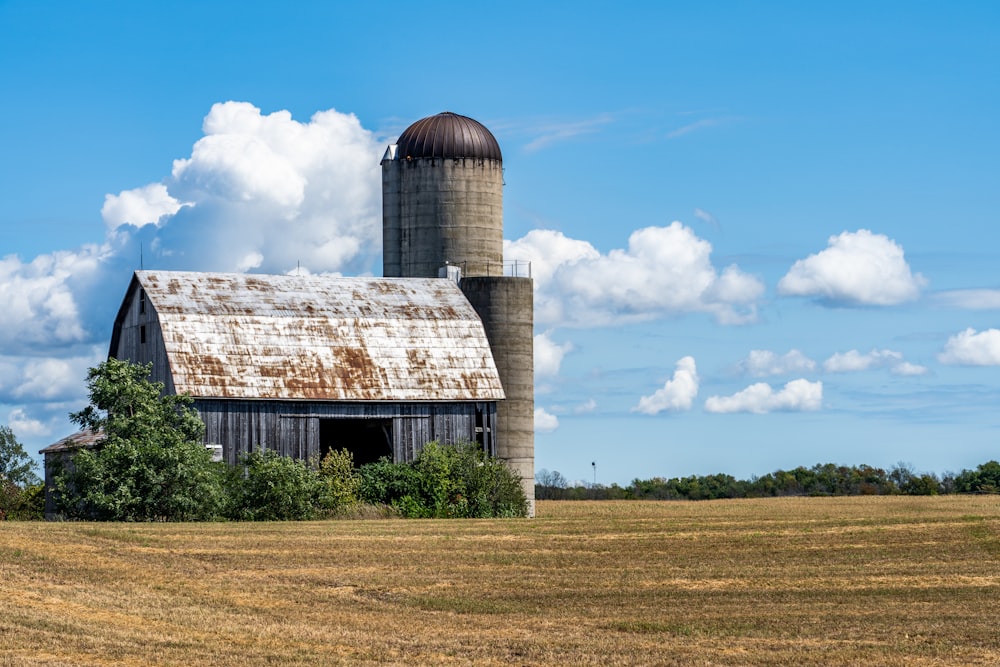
(764, 234)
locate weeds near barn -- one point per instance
(788, 581)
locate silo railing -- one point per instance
(514, 268)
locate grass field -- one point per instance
(874, 580)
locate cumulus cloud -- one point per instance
(853, 360)
(762, 363)
(264, 192)
(545, 421)
(549, 355)
(972, 348)
(677, 394)
(858, 268)
(139, 207)
(39, 299)
(664, 270)
(585, 408)
(760, 398)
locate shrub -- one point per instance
(340, 482)
(269, 487)
(385, 482)
(445, 481)
(27, 504)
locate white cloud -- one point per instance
(907, 369)
(264, 192)
(971, 299)
(677, 394)
(858, 268)
(762, 363)
(549, 355)
(664, 270)
(971, 348)
(24, 426)
(139, 207)
(697, 125)
(38, 299)
(853, 361)
(544, 421)
(550, 133)
(706, 217)
(586, 407)
(760, 398)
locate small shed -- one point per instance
(59, 454)
(304, 364)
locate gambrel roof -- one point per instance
(318, 338)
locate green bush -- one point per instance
(21, 504)
(386, 483)
(269, 487)
(340, 483)
(445, 481)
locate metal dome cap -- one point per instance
(448, 135)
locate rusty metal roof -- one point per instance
(321, 338)
(448, 135)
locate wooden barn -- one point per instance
(303, 364)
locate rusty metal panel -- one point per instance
(321, 338)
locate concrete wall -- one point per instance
(506, 307)
(437, 210)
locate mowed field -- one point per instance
(787, 581)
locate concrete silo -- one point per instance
(442, 204)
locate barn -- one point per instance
(440, 348)
(303, 364)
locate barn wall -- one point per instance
(139, 316)
(291, 428)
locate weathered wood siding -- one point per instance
(140, 340)
(292, 428)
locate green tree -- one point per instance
(150, 464)
(16, 467)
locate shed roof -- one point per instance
(319, 338)
(84, 438)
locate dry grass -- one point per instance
(889, 581)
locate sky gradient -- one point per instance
(763, 234)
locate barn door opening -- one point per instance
(367, 439)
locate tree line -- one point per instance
(823, 479)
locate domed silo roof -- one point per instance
(448, 135)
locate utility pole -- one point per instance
(593, 464)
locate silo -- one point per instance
(505, 305)
(442, 203)
(442, 199)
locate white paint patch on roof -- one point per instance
(320, 338)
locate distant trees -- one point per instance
(823, 479)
